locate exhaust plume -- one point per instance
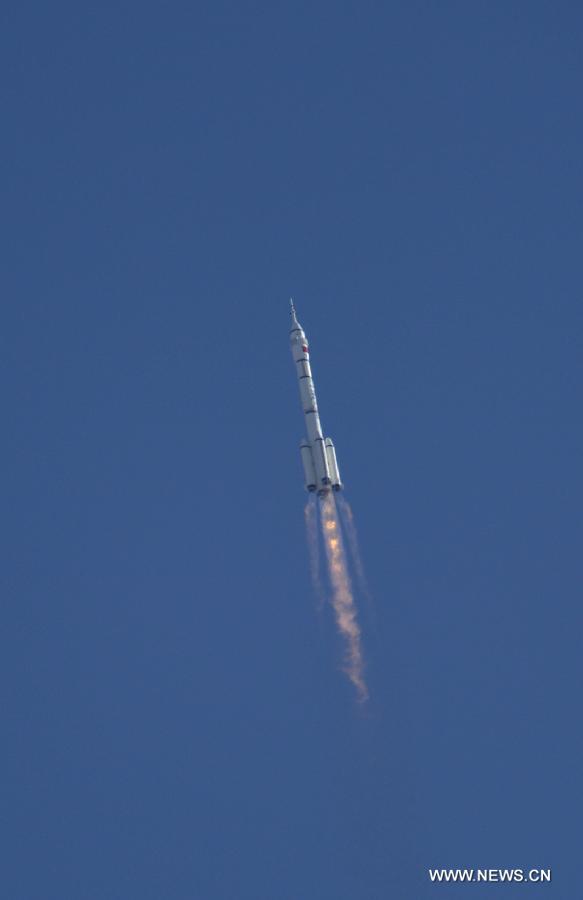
(342, 597)
(352, 537)
(349, 527)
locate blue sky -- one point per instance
(174, 720)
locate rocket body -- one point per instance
(318, 453)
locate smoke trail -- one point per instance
(342, 598)
(311, 516)
(349, 526)
(350, 529)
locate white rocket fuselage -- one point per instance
(318, 454)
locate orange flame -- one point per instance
(342, 597)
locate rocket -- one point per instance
(317, 452)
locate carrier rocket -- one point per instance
(318, 453)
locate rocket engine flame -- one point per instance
(342, 596)
(349, 528)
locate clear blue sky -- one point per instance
(174, 723)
